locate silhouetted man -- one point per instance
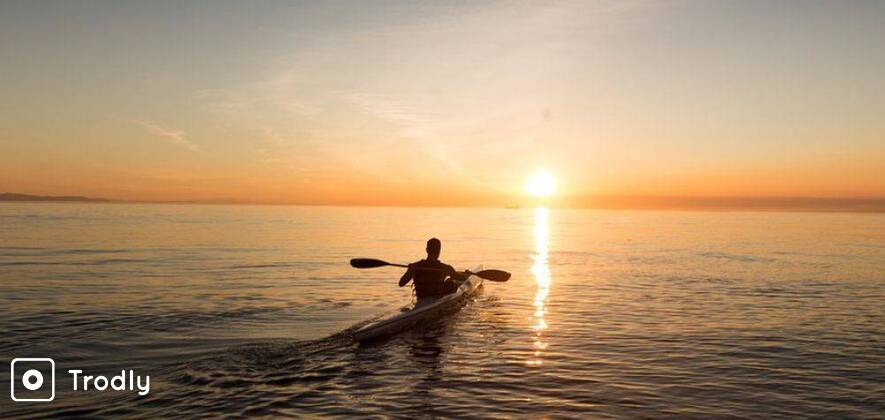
(432, 277)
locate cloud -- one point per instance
(175, 136)
(386, 107)
(414, 120)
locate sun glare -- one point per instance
(540, 184)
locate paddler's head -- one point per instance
(434, 246)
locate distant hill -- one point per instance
(28, 197)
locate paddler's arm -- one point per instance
(404, 280)
(454, 275)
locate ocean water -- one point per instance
(247, 310)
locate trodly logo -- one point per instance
(28, 379)
(116, 383)
(33, 379)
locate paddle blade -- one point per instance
(367, 263)
(493, 275)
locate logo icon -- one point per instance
(27, 376)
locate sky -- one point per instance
(441, 103)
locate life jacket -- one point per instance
(429, 278)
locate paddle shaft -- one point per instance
(422, 268)
(468, 272)
(492, 275)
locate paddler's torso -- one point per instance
(429, 277)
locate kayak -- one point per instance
(426, 309)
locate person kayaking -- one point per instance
(432, 276)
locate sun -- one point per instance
(541, 184)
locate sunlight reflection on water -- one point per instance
(541, 271)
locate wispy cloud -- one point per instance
(386, 107)
(174, 136)
(414, 120)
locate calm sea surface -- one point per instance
(247, 309)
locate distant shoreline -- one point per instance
(65, 198)
(646, 203)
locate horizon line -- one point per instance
(588, 202)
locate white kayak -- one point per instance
(424, 310)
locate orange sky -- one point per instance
(443, 104)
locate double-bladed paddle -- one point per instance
(491, 275)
